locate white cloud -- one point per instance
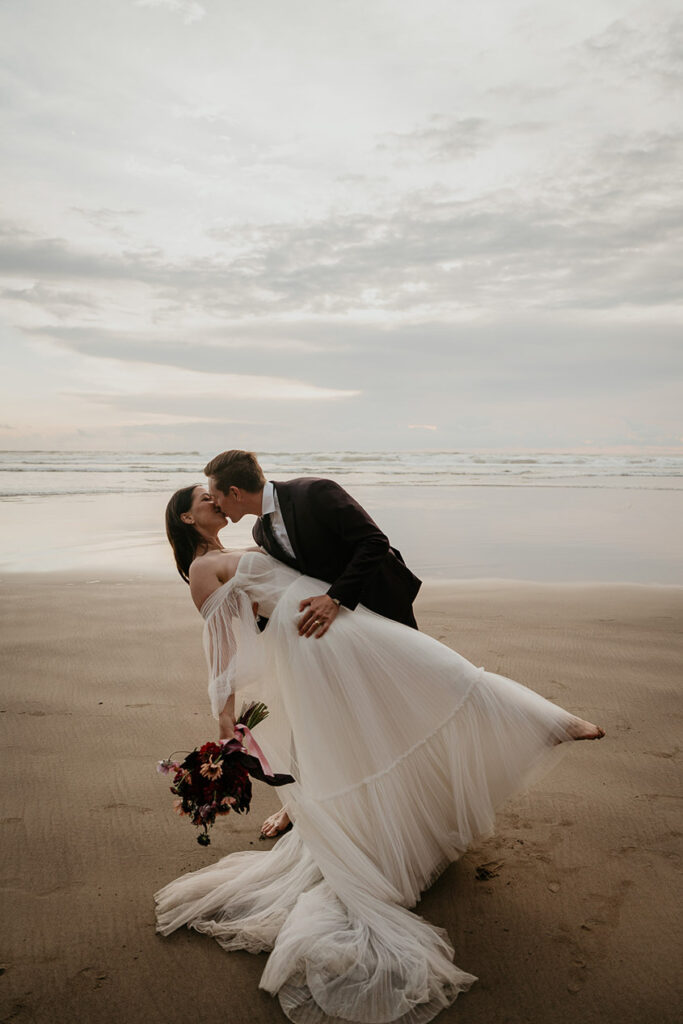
(189, 9)
(112, 378)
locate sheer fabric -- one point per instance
(402, 750)
(233, 653)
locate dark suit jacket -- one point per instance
(334, 539)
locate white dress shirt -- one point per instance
(271, 506)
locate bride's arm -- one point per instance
(234, 656)
(226, 719)
(204, 579)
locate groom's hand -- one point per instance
(319, 614)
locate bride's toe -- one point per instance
(267, 828)
(582, 730)
(275, 825)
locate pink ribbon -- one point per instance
(251, 746)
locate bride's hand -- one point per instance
(226, 719)
(226, 729)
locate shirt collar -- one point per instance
(268, 499)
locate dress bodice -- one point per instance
(262, 578)
(232, 642)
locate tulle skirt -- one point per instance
(402, 751)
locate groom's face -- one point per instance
(228, 503)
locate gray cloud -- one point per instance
(113, 222)
(23, 253)
(215, 349)
(61, 303)
(639, 50)
(442, 138)
(604, 237)
(446, 139)
(525, 357)
(597, 241)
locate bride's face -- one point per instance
(203, 512)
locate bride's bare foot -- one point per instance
(579, 729)
(275, 825)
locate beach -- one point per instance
(104, 675)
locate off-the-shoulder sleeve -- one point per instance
(232, 645)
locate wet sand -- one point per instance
(578, 919)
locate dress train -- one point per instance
(402, 751)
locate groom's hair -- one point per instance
(236, 469)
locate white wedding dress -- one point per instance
(401, 750)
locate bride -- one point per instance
(401, 751)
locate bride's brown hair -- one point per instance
(182, 537)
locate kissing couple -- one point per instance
(401, 749)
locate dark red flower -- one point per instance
(211, 749)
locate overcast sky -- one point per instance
(341, 224)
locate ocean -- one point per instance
(41, 474)
(565, 517)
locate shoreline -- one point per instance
(72, 577)
(99, 686)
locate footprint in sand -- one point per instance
(128, 807)
(93, 975)
(487, 871)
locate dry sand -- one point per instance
(102, 678)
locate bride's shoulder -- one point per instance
(210, 571)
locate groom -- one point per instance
(314, 526)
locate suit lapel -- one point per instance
(289, 518)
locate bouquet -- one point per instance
(216, 778)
